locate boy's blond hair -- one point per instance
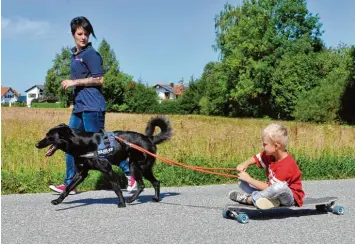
(277, 133)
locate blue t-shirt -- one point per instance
(87, 63)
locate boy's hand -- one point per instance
(244, 176)
(241, 167)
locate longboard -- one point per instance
(323, 204)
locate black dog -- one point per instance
(83, 146)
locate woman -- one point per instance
(86, 79)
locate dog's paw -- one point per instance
(130, 200)
(55, 202)
(121, 205)
(154, 199)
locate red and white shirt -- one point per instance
(284, 170)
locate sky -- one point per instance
(158, 41)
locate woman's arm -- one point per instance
(86, 82)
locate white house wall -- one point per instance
(9, 97)
(32, 94)
(161, 94)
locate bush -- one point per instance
(141, 99)
(169, 107)
(322, 104)
(15, 104)
(19, 104)
(47, 105)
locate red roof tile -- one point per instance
(5, 89)
(179, 89)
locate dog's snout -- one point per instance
(38, 145)
(41, 144)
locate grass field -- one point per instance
(322, 151)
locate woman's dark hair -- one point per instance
(83, 23)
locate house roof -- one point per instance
(177, 89)
(4, 90)
(22, 98)
(40, 87)
(165, 86)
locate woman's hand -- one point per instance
(67, 84)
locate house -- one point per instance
(9, 95)
(168, 91)
(35, 92)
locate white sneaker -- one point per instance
(264, 203)
(132, 183)
(239, 197)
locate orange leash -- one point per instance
(195, 168)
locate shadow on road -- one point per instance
(280, 213)
(114, 200)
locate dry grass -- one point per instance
(222, 140)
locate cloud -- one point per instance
(24, 27)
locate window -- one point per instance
(31, 95)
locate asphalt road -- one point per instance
(185, 215)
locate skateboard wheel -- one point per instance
(242, 218)
(226, 213)
(321, 208)
(339, 210)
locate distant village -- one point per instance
(9, 95)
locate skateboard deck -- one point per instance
(323, 204)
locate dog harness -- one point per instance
(106, 148)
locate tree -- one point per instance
(323, 102)
(215, 94)
(55, 75)
(140, 98)
(347, 112)
(189, 101)
(253, 39)
(115, 81)
(108, 57)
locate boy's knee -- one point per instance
(246, 187)
(274, 190)
(241, 184)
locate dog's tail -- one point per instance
(165, 129)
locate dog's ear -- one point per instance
(62, 125)
(65, 131)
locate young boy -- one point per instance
(284, 186)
